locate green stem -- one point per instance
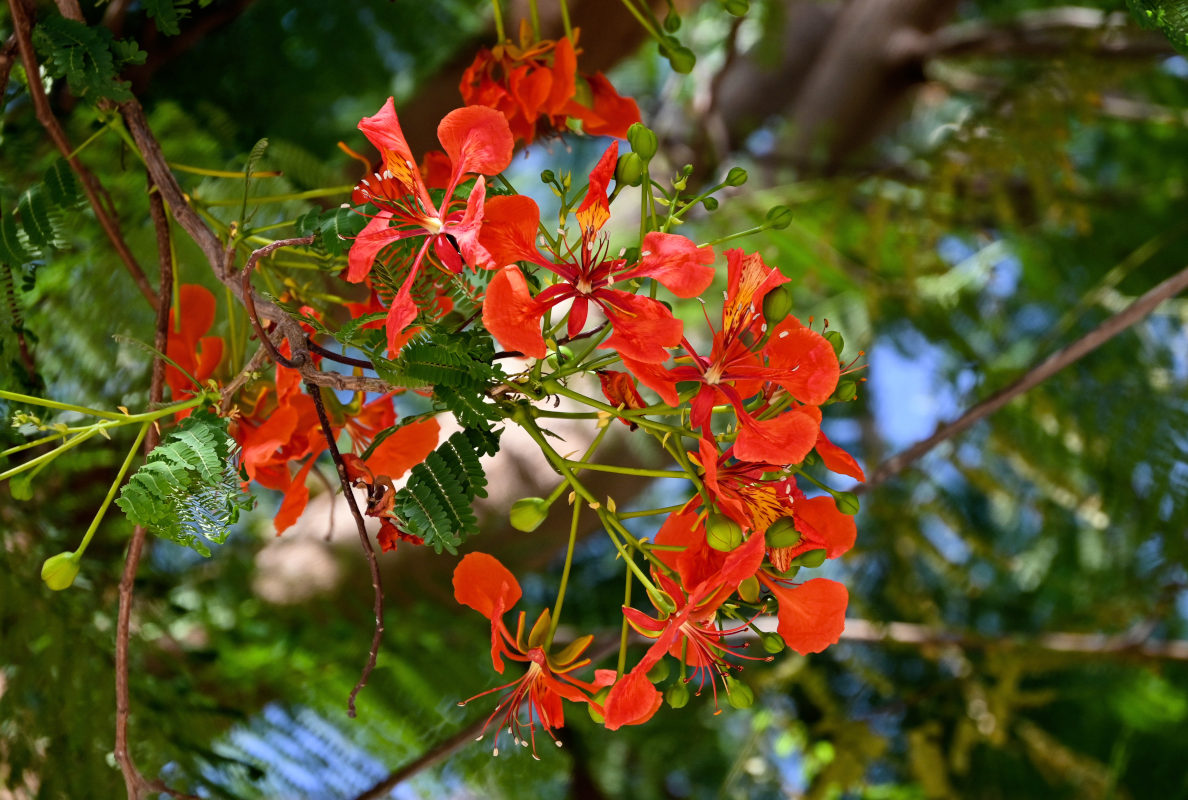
(639, 420)
(573, 528)
(115, 487)
(88, 141)
(640, 471)
(565, 20)
(69, 444)
(650, 512)
(498, 21)
(281, 198)
(625, 633)
(534, 13)
(647, 25)
(747, 232)
(93, 412)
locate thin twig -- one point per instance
(1107, 330)
(300, 357)
(137, 784)
(254, 365)
(45, 115)
(341, 359)
(364, 540)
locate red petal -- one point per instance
(615, 113)
(405, 448)
(811, 364)
(594, 211)
(477, 139)
(786, 439)
(375, 236)
(656, 378)
(838, 460)
(296, 499)
(564, 72)
(836, 530)
(643, 327)
(509, 229)
(812, 615)
(675, 262)
(632, 701)
(485, 585)
(383, 131)
(512, 315)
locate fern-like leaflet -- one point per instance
(435, 504)
(188, 491)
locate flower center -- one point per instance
(432, 224)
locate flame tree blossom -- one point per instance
(537, 87)
(478, 142)
(642, 327)
(535, 698)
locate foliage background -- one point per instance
(1018, 197)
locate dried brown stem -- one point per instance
(1125, 318)
(137, 784)
(300, 357)
(364, 540)
(21, 27)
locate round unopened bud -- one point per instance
(847, 502)
(772, 643)
(845, 392)
(59, 571)
(672, 21)
(748, 590)
(710, 204)
(630, 169)
(722, 533)
(779, 218)
(783, 533)
(659, 672)
(737, 176)
(736, 8)
(812, 559)
(527, 513)
(642, 140)
(777, 304)
(598, 697)
(739, 694)
(547, 176)
(21, 487)
(834, 338)
(563, 355)
(680, 58)
(677, 695)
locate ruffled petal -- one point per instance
(296, 499)
(509, 229)
(786, 439)
(836, 531)
(594, 211)
(643, 327)
(405, 448)
(375, 236)
(808, 363)
(838, 460)
(477, 139)
(512, 315)
(676, 262)
(812, 615)
(484, 584)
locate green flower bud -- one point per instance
(21, 487)
(642, 140)
(59, 571)
(710, 204)
(737, 176)
(680, 58)
(739, 694)
(845, 391)
(736, 8)
(677, 695)
(787, 575)
(812, 559)
(659, 672)
(527, 513)
(847, 502)
(777, 304)
(772, 643)
(779, 218)
(630, 169)
(672, 21)
(566, 356)
(834, 338)
(748, 590)
(783, 533)
(598, 697)
(547, 176)
(722, 533)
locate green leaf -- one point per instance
(167, 14)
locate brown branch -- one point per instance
(1125, 318)
(300, 357)
(137, 784)
(70, 10)
(45, 115)
(372, 563)
(8, 56)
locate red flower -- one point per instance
(690, 630)
(188, 347)
(485, 585)
(619, 390)
(477, 142)
(536, 86)
(643, 327)
(798, 359)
